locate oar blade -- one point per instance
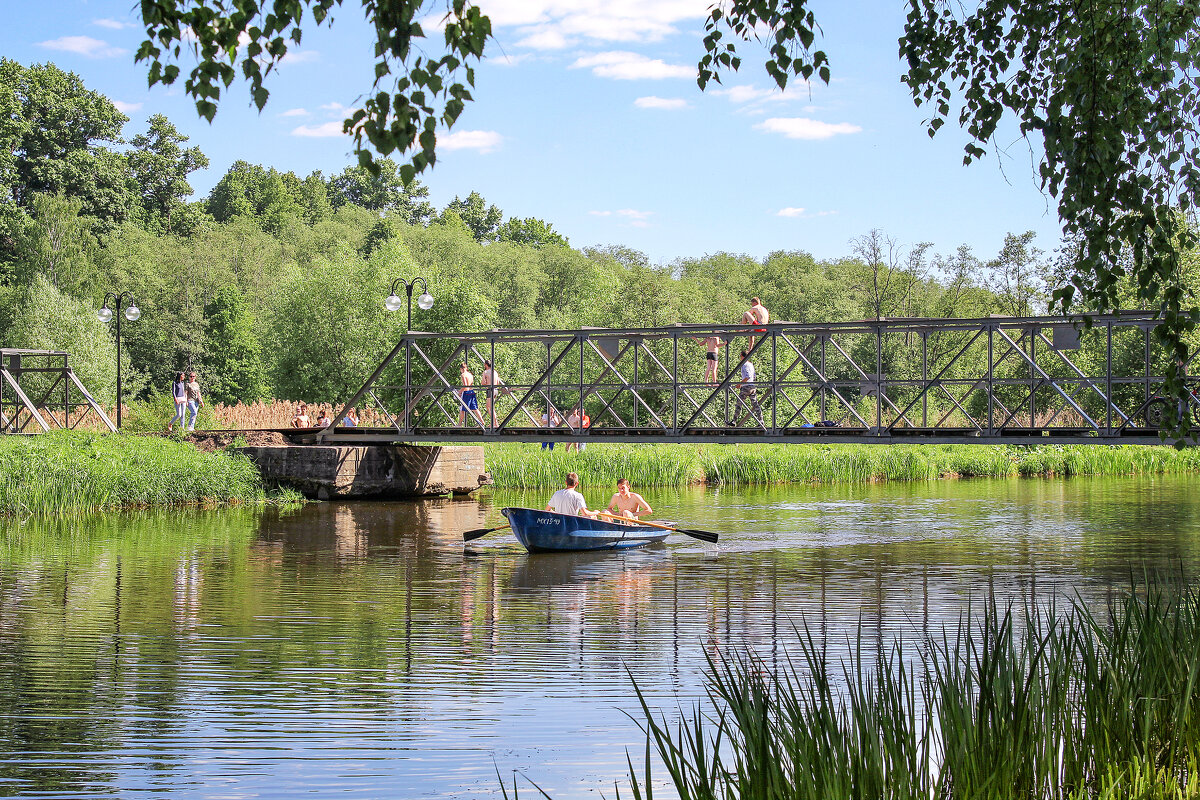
(469, 536)
(704, 536)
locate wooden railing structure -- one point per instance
(39, 389)
(996, 379)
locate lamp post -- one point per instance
(106, 314)
(393, 302)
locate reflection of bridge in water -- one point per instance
(1015, 380)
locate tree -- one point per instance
(476, 214)
(384, 191)
(530, 231)
(1017, 275)
(889, 276)
(232, 354)
(264, 194)
(159, 167)
(58, 243)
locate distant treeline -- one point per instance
(273, 285)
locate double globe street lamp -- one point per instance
(393, 302)
(106, 314)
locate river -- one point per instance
(361, 650)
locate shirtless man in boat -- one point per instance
(628, 504)
(757, 314)
(711, 345)
(467, 401)
(569, 501)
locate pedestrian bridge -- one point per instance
(1026, 380)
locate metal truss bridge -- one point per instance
(1028, 380)
(39, 388)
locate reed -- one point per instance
(73, 472)
(525, 466)
(1029, 701)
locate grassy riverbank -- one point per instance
(1021, 702)
(526, 466)
(70, 472)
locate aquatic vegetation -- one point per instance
(526, 466)
(1026, 702)
(71, 472)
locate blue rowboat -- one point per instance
(546, 531)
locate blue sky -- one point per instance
(587, 115)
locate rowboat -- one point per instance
(546, 531)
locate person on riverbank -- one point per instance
(351, 418)
(757, 314)
(300, 418)
(179, 392)
(467, 399)
(578, 421)
(550, 419)
(323, 419)
(747, 393)
(194, 400)
(569, 501)
(711, 345)
(627, 503)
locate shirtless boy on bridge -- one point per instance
(757, 314)
(467, 401)
(711, 345)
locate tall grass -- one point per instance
(1028, 702)
(524, 466)
(72, 472)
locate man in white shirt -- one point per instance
(569, 501)
(748, 395)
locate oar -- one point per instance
(475, 534)
(704, 536)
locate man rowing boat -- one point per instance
(628, 504)
(569, 501)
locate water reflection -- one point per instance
(362, 648)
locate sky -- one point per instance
(588, 116)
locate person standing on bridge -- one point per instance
(711, 345)
(194, 400)
(747, 393)
(467, 400)
(757, 314)
(491, 384)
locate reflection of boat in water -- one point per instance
(546, 531)
(578, 568)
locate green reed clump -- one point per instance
(70, 472)
(527, 466)
(1026, 702)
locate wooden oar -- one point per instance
(704, 536)
(475, 534)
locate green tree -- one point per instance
(382, 191)
(232, 353)
(44, 318)
(268, 196)
(482, 219)
(530, 231)
(58, 243)
(1018, 275)
(159, 167)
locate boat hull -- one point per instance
(546, 531)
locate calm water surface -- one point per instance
(360, 650)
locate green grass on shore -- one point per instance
(72, 472)
(526, 466)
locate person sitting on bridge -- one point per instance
(569, 501)
(711, 345)
(628, 504)
(467, 401)
(757, 314)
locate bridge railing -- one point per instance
(941, 379)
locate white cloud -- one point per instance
(545, 24)
(633, 217)
(790, 212)
(803, 128)
(295, 112)
(112, 24)
(300, 57)
(84, 46)
(336, 108)
(323, 131)
(665, 103)
(483, 141)
(126, 108)
(626, 66)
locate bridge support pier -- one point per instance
(372, 471)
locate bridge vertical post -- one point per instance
(924, 379)
(675, 382)
(1108, 420)
(774, 381)
(1146, 337)
(580, 340)
(636, 386)
(1032, 376)
(494, 389)
(407, 384)
(824, 376)
(991, 386)
(878, 378)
